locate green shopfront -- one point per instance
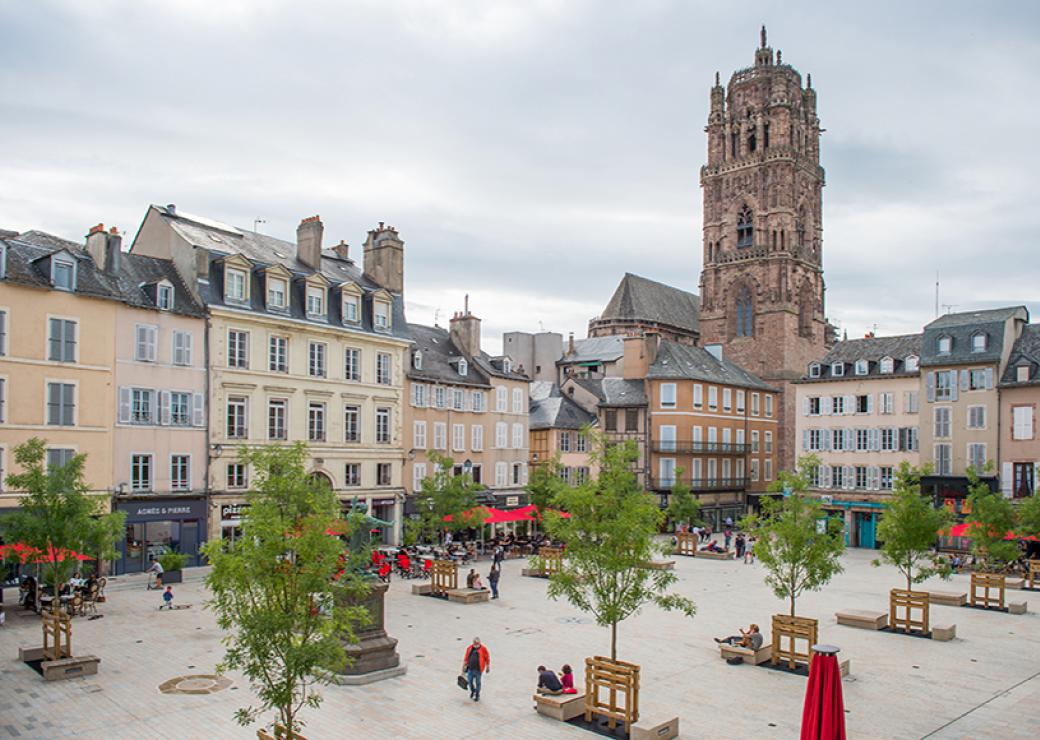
(861, 520)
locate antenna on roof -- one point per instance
(436, 316)
(950, 306)
(936, 294)
(257, 222)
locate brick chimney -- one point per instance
(384, 258)
(465, 331)
(342, 250)
(640, 354)
(308, 242)
(105, 248)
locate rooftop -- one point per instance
(641, 299)
(680, 361)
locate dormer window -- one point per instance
(944, 345)
(235, 285)
(507, 365)
(417, 360)
(381, 318)
(164, 296)
(463, 368)
(277, 293)
(979, 342)
(838, 369)
(63, 273)
(351, 309)
(1022, 373)
(315, 301)
(910, 364)
(888, 365)
(862, 367)
(814, 370)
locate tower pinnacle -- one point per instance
(763, 36)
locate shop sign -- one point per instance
(156, 511)
(231, 514)
(512, 500)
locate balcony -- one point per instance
(700, 484)
(701, 448)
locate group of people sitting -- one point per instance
(550, 683)
(30, 596)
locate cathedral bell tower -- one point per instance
(761, 288)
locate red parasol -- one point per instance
(964, 530)
(823, 717)
(533, 513)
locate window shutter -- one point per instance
(1006, 479)
(870, 403)
(153, 405)
(825, 406)
(805, 439)
(124, 405)
(850, 404)
(873, 477)
(965, 379)
(805, 406)
(70, 339)
(825, 476)
(850, 439)
(198, 410)
(989, 378)
(953, 386)
(850, 477)
(164, 407)
(874, 439)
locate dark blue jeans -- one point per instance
(473, 674)
(494, 589)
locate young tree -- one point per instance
(57, 513)
(683, 508)
(1029, 517)
(797, 542)
(992, 516)
(909, 528)
(609, 538)
(544, 483)
(282, 590)
(446, 494)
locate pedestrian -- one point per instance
(167, 598)
(728, 536)
(749, 552)
(493, 576)
(739, 544)
(475, 662)
(155, 574)
(499, 556)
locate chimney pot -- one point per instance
(96, 229)
(308, 241)
(171, 209)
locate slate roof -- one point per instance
(960, 327)
(557, 411)
(540, 389)
(682, 362)
(641, 299)
(263, 251)
(595, 349)
(134, 284)
(1025, 350)
(871, 349)
(440, 360)
(614, 392)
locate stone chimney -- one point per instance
(308, 242)
(97, 245)
(570, 344)
(384, 258)
(640, 354)
(342, 250)
(465, 331)
(114, 251)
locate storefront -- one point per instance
(156, 525)
(231, 521)
(860, 518)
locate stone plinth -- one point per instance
(374, 656)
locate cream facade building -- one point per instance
(559, 431)
(1019, 450)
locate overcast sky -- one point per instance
(531, 153)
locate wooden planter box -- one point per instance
(172, 576)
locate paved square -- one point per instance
(985, 683)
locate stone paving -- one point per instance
(985, 683)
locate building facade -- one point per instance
(859, 408)
(559, 431)
(1019, 443)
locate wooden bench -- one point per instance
(863, 619)
(534, 573)
(468, 595)
(563, 707)
(754, 657)
(1017, 607)
(727, 555)
(1016, 583)
(948, 598)
(943, 632)
(644, 730)
(55, 670)
(660, 564)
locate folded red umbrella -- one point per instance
(823, 716)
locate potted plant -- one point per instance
(172, 563)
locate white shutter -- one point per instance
(805, 439)
(850, 477)
(1007, 480)
(875, 440)
(870, 403)
(989, 378)
(953, 386)
(849, 439)
(124, 405)
(825, 439)
(198, 410)
(164, 407)
(965, 379)
(825, 405)
(873, 477)
(931, 387)
(825, 476)
(850, 404)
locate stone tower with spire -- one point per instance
(761, 287)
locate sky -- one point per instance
(530, 153)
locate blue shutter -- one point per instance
(931, 387)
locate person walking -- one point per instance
(475, 662)
(493, 576)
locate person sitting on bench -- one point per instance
(751, 638)
(548, 682)
(712, 546)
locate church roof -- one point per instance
(641, 299)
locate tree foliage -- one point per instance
(285, 592)
(909, 528)
(683, 507)
(609, 540)
(991, 517)
(799, 545)
(58, 513)
(1029, 517)
(544, 483)
(446, 494)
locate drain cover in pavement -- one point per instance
(196, 684)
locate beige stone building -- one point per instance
(560, 431)
(304, 346)
(858, 411)
(1019, 443)
(467, 406)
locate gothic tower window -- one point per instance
(751, 142)
(805, 311)
(745, 228)
(799, 227)
(733, 145)
(765, 136)
(745, 313)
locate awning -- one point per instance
(964, 530)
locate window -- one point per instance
(238, 348)
(977, 379)
(236, 417)
(141, 472)
(351, 309)
(384, 474)
(754, 469)
(713, 398)
(754, 440)
(458, 437)
(464, 369)
(180, 472)
(518, 436)
(61, 404)
(278, 355)
(889, 440)
(440, 435)
(863, 440)
(768, 442)
(910, 364)
(352, 364)
(182, 345)
(838, 369)
(477, 401)
(477, 437)
(727, 399)
(418, 392)
(382, 316)
(740, 402)
(610, 420)
(754, 404)
(142, 406)
(61, 344)
(501, 430)
(235, 285)
(885, 478)
(943, 459)
(58, 458)
(518, 401)
(769, 406)
(507, 365)
(458, 399)
(352, 474)
(698, 395)
(418, 476)
(501, 473)
(1022, 422)
(944, 345)
(812, 439)
(236, 475)
(977, 456)
(910, 402)
(315, 301)
(500, 398)
(3, 328)
(945, 385)
(861, 476)
(976, 417)
(864, 404)
(276, 293)
(440, 398)
(180, 408)
(352, 424)
(581, 443)
(277, 414)
(888, 402)
(745, 228)
(419, 435)
(838, 405)
(814, 370)
(978, 342)
(316, 361)
(1021, 372)
(383, 425)
(811, 407)
(63, 273)
(668, 395)
(941, 416)
(316, 421)
(518, 474)
(631, 420)
(417, 360)
(887, 365)
(745, 313)
(383, 368)
(1023, 480)
(144, 345)
(862, 367)
(164, 297)
(3, 415)
(837, 476)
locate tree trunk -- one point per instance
(613, 641)
(792, 605)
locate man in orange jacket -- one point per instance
(477, 661)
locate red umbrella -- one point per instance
(823, 717)
(533, 513)
(964, 530)
(471, 516)
(57, 555)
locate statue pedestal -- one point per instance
(374, 656)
